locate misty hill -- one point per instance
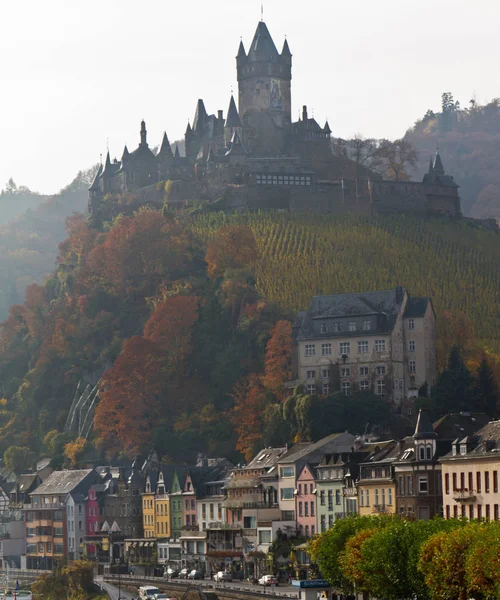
(29, 242)
(469, 142)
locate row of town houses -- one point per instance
(215, 513)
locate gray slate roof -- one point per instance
(266, 458)
(62, 482)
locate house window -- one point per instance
(337, 327)
(310, 349)
(326, 373)
(361, 499)
(306, 509)
(363, 371)
(423, 484)
(389, 498)
(411, 324)
(326, 349)
(379, 345)
(412, 366)
(376, 497)
(367, 497)
(380, 390)
(311, 374)
(363, 347)
(428, 452)
(323, 523)
(286, 493)
(312, 509)
(478, 482)
(364, 385)
(265, 537)
(323, 328)
(421, 452)
(300, 509)
(330, 500)
(380, 370)
(345, 372)
(306, 529)
(322, 497)
(337, 497)
(367, 325)
(495, 481)
(346, 388)
(447, 483)
(352, 325)
(311, 388)
(409, 485)
(411, 346)
(345, 348)
(287, 472)
(330, 521)
(326, 389)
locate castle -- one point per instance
(257, 157)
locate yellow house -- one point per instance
(162, 505)
(376, 484)
(148, 508)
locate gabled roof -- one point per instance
(386, 304)
(63, 482)
(262, 47)
(485, 443)
(458, 425)
(266, 458)
(416, 307)
(304, 451)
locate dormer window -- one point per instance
(337, 327)
(421, 452)
(453, 450)
(463, 449)
(323, 328)
(428, 452)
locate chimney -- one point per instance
(220, 115)
(304, 113)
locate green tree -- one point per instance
(454, 390)
(486, 389)
(17, 458)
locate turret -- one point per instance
(424, 437)
(437, 167)
(165, 148)
(200, 118)
(233, 122)
(144, 134)
(125, 155)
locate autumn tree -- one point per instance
(351, 560)
(482, 565)
(74, 450)
(397, 158)
(249, 403)
(233, 247)
(277, 363)
(130, 396)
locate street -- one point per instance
(113, 590)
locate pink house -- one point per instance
(189, 497)
(95, 517)
(305, 501)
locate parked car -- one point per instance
(195, 574)
(223, 576)
(268, 580)
(171, 573)
(148, 592)
(184, 573)
(163, 596)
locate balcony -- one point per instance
(464, 495)
(221, 526)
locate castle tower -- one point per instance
(233, 122)
(264, 78)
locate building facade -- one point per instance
(382, 342)
(376, 485)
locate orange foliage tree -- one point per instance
(233, 247)
(139, 253)
(277, 369)
(130, 397)
(73, 450)
(250, 400)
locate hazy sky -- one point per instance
(76, 73)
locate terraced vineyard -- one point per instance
(454, 262)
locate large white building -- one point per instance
(381, 341)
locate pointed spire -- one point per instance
(286, 49)
(431, 167)
(189, 129)
(165, 148)
(125, 155)
(107, 164)
(241, 51)
(200, 117)
(177, 153)
(437, 167)
(144, 134)
(424, 428)
(233, 118)
(262, 47)
(326, 128)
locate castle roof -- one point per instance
(236, 148)
(286, 49)
(126, 154)
(437, 175)
(233, 118)
(262, 47)
(94, 185)
(200, 117)
(165, 148)
(241, 50)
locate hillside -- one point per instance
(31, 227)
(469, 142)
(175, 313)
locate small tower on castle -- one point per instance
(265, 78)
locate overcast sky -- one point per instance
(76, 73)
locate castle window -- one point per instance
(363, 371)
(326, 373)
(323, 328)
(352, 325)
(326, 389)
(310, 350)
(337, 327)
(379, 345)
(363, 347)
(366, 325)
(412, 366)
(346, 388)
(346, 372)
(326, 349)
(364, 386)
(311, 374)
(411, 346)
(411, 324)
(380, 370)
(380, 391)
(311, 388)
(345, 347)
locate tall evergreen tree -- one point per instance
(454, 390)
(486, 389)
